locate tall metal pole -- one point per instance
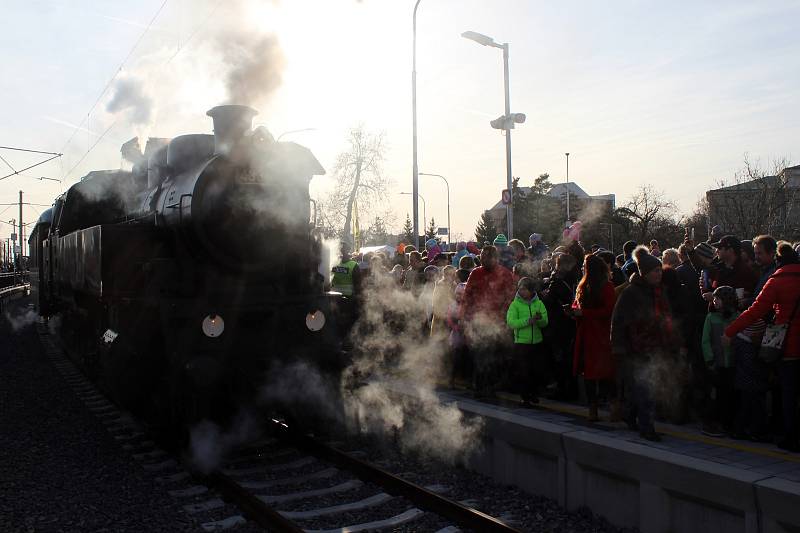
(415, 169)
(567, 154)
(449, 229)
(510, 206)
(21, 240)
(13, 242)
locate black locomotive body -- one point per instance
(182, 284)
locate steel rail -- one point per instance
(424, 498)
(258, 511)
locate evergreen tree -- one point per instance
(377, 234)
(486, 230)
(430, 233)
(408, 231)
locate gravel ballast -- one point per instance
(60, 469)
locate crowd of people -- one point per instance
(708, 331)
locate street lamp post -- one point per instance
(449, 229)
(611, 231)
(415, 168)
(424, 214)
(567, 154)
(506, 122)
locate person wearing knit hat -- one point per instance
(500, 240)
(507, 258)
(643, 337)
(646, 262)
(461, 251)
(705, 251)
(538, 250)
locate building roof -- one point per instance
(756, 184)
(559, 190)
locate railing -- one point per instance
(10, 279)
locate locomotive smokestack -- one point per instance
(231, 122)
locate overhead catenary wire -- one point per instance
(17, 172)
(28, 150)
(108, 84)
(181, 47)
(100, 138)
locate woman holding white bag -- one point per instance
(781, 295)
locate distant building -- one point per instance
(770, 204)
(580, 201)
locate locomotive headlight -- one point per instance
(213, 325)
(315, 321)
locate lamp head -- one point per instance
(479, 38)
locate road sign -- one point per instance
(506, 197)
(441, 231)
(13, 237)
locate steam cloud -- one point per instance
(256, 66)
(20, 320)
(130, 95)
(209, 443)
(394, 351)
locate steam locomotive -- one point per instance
(180, 285)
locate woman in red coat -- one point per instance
(592, 309)
(781, 295)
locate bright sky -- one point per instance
(667, 93)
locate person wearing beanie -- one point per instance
(461, 251)
(643, 337)
(500, 241)
(538, 250)
(433, 249)
(506, 251)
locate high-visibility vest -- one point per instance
(343, 277)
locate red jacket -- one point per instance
(781, 293)
(592, 355)
(489, 292)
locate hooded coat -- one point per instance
(518, 319)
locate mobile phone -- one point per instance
(692, 234)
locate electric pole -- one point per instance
(21, 241)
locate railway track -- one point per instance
(287, 482)
(316, 487)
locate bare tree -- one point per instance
(359, 180)
(756, 200)
(648, 210)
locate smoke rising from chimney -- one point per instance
(256, 64)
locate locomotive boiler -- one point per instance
(184, 284)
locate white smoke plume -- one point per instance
(255, 65)
(331, 250)
(131, 98)
(20, 320)
(209, 442)
(394, 351)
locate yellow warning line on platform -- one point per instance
(787, 456)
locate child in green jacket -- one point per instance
(526, 316)
(720, 362)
